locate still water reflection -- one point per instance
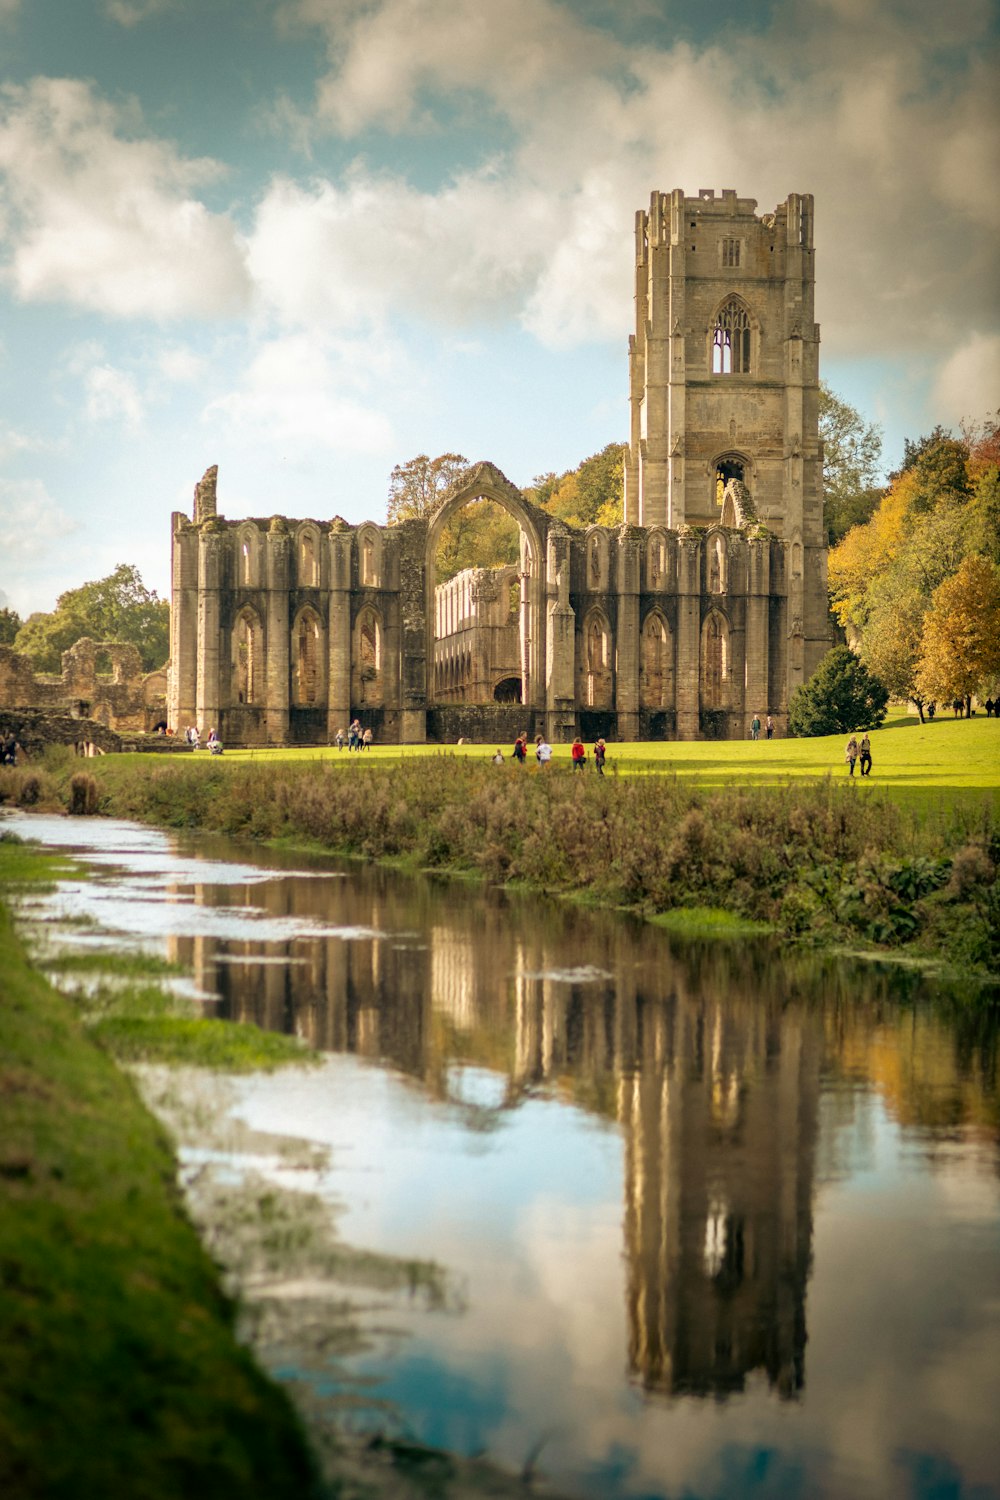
(725, 1222)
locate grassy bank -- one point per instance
(120, 1373)
(822, 859)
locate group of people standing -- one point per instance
(357, 738)
(543, 753)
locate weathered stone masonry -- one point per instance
(707, 606)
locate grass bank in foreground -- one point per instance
(120, 1375)
(820, 859)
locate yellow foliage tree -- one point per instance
(960, 650)
(866, 551)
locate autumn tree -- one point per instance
(417, 487)
(118, 608)
(960, 650)
(841, 695)
(592, 494)
(852, 449)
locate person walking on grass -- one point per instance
(600, 751)
(755, 727)
(520, 749)
(498, 758)
(543, 751)
(865, 755)
(366, 740)
(769, 727)
(579, 754)
(851, 753)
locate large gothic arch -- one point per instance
(484, 481)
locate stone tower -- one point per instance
(724, 383)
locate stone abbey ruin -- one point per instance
(707, 605)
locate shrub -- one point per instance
(841, 695)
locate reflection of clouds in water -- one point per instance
(479, 1087)
(166, 916)
(582, 974)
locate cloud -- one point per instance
(112, 396)
(29, 519)
(94, 214)
(12, 442)
(885, 110)
(299, 392)
(180, 365)
(968, 384)
(131, 12)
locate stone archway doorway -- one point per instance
(482, 615)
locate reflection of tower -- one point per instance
(719, 1102)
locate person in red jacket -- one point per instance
(579, 754)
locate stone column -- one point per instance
(687, 669)
(338, 701)
(560, 630)
(415, 630)
(183, 679)
(276, 550)
(758, 592)
(210, 545)
(627, 634)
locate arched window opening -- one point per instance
(731, 340)
(715, 661)
(596, 665)
(306, 660)
(248, 659)
(654, 664)
(717, 569)
(308, 570)
(369, 566)
(367, 684)
(656, 562)
(245, 564)
(725, 469)
(508, 690)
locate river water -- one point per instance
(708, 1220)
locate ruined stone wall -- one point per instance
(297, 627)
(123, 699)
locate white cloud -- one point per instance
(29, 519)
(884, 110)
(93, 214)
(112, 396)
(298, 392)
(131, 12)
(180, 365)
(968, 384)
(12, 442)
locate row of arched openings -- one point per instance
(656, 662)
(306, 557)
(307, 659)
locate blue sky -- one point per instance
(309, 239)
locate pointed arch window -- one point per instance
(654, 663)
(306, 659)
(731, 340)
(715, 661)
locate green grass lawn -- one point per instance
(923, 766)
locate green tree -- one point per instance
(841, 695)
(417, 487)
(960, 649)
(852, 450)
(10, 624)
(118, 608)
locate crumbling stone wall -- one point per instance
(123, 699)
